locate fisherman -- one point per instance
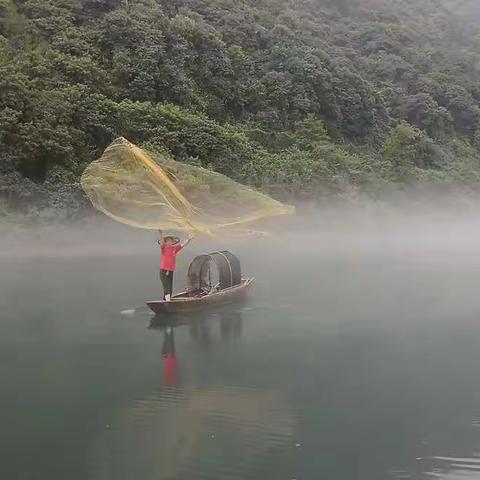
(170, 245)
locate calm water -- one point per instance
(343, 365)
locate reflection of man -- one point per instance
(169, 358)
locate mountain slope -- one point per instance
(301, 98)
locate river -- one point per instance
(356, 357)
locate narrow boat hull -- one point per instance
(185, 301)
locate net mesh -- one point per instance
(128, 185)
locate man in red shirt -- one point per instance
(170, 245)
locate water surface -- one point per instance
(346, 363)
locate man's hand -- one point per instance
(188, 240)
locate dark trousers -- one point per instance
(166, 276)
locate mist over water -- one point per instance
(356, 356)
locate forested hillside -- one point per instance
(303, 99)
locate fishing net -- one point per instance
(128, 185)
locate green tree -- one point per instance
(405, 149)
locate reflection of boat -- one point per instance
(220, 327)
(206, 328)
(208, 286)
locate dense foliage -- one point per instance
(300, 98)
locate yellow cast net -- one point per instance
(128, 185)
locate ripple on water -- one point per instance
(455, 468)
(211, 433)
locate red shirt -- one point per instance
(169, 252)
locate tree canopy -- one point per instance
(298, 98)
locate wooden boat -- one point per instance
(193, 300)
(231, 285)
